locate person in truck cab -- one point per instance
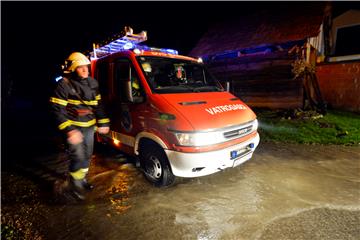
(76, 104)
(148, 71)
(135, 87)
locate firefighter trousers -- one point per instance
(80, 154)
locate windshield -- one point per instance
(168, 75)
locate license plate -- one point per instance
(237, 153)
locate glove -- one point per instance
(103, 130)
(74, 137)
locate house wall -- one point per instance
(340, 84)
(261, 80)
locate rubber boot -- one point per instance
(78, 189)
(86, 185)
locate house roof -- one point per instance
(273, 26)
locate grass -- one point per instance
(336, 127)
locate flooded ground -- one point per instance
(284, 192)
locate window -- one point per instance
(168, 75)
(126, 83)
(347, 41)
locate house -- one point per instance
(338, 69)
(255, 54)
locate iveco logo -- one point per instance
(242, 131)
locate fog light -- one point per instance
(251, 145)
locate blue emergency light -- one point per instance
(128, 45)
(170, 51)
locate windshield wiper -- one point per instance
(174, 89)
(187, 89)
(207, 88)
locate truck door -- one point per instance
(103, 72)
(128, 98)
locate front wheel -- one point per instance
(156, 166)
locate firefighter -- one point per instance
(147, 67)
(76, 104)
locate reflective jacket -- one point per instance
(72, 112)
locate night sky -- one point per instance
(38, 36)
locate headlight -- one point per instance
(255, 125)
(199, 139)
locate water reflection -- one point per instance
(295, 188)
(239, 203)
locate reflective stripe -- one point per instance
(83, 124)
(64, 124)
(79, 124)
(98, 97)
(84, 170)
(94, 102)
(58, 101)
(78, 102)
(75, 102)
(78, 175)
(104, 120)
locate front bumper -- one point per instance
(201, 164)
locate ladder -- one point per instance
(128, 41)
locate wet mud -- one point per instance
(284, 192)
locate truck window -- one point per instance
(126, 81)
(168, 75)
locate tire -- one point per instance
(155, 165)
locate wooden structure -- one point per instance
(255, 53)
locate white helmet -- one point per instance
(75, 60)
(146, 66)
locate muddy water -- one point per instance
(284, 192)
(298, 186)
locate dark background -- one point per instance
(38, 36)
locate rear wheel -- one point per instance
(156, 165)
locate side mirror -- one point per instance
(227, 86)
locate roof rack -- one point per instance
(125, 42)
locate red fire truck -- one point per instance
(170, 112)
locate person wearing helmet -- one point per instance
(76, 104)
(147, 67)
(150, 75)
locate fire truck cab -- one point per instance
(170, 112)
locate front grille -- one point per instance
(238, 132)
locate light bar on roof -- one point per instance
(170, 51)
(163, 50)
